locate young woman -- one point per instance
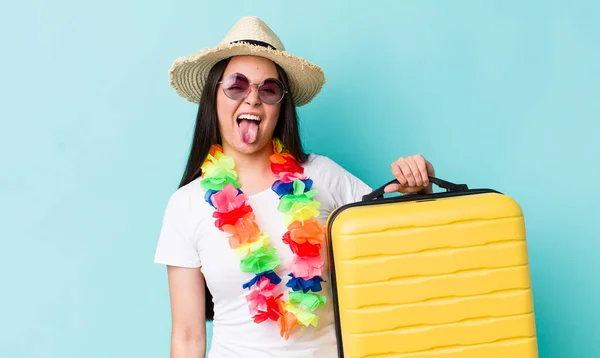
(242, 237)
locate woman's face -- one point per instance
(247, 124)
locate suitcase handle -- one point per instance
(378, 193)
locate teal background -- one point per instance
(93, 141)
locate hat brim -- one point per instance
(188, 74)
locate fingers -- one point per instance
(397, 171)
(407, 172)
(412, 174)
(414, 171)
(422, 167)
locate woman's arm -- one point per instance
(188, 334)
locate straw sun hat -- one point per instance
(249, 36)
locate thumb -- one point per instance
(393, 188)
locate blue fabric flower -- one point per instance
(282, 188)
(208, 196)
(300, 284)
(271, 275)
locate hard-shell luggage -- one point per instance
(441, 275)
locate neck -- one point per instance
(253, 170)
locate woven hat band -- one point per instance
(255, 42)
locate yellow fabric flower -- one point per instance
(304, 317)
(302, 211)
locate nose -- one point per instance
(253, 98)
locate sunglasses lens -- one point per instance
(271, 91)
(236, 86)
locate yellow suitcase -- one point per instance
(442, 275)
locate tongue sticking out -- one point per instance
(248, 130)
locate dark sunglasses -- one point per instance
(237, 86)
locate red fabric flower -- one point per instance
(304, 249)
(263, 302)
(231, 217)
(271, 310)
(290, 165)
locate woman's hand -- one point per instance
(413, 175)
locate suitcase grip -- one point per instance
(378, 193)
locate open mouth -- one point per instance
(248, 125)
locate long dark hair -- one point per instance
(206, 133)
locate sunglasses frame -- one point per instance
(251, 84)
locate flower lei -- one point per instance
(304, 237)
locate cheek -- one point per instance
(273, 114)
(225, 109)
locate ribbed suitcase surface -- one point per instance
(447, 277)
